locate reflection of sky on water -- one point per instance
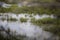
(26, 28)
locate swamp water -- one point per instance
(33, 32)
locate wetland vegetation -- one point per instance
(12, 19)
(23, 19)
(52, 7)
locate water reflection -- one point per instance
(33, 32)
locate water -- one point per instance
(32, 31)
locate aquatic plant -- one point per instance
(23, 19)
(30, 15)
(53, 29)
(11, 19)
(3, 19)
(43, 21)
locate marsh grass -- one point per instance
(3, 19)
(9, 19)
(31, 15)
(34, 9)
(23, 19)
(35, 22)
(43, 21)
(53, 29)
(48, 24)
(12, 19)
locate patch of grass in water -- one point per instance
(43, 21)
(35, 22)
(55, 29)
(30, 15)
(48, 24)
(3, 19)
(11, 19)
(23, 19)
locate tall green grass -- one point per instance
(43, 21)
(35, 10)
(23, 19)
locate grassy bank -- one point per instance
(24, 9)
